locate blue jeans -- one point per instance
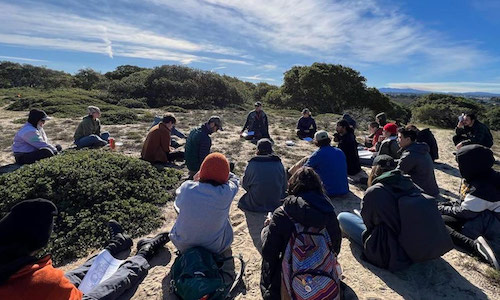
(352, 225)
(93, 140)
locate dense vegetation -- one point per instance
(89, 188)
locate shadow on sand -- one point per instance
(446, 168)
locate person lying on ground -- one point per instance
(474, 225)
(416, 161)
(330, 164)
(347, 143)
(257, 123)
(381, 119)
(372, 139)
(386, 230)
(26, 229)
(156, 148)
(88, 133)
(426, 136)
(30, 142)
(198, 144)
(389, 144)
(306, 126)
(203, 205)
(308, 205)
(265, 180)
(470, 131)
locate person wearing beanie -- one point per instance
(257, 123)
(389, 145)
(26, 229)
(198, 144)
(306, 126)
(157, 146)
(30, 142)
(88, 133)
(474, 224)
(385, 227)
(203, 206)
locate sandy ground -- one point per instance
(454, 276)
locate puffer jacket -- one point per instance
(417, 162)
(310, 209)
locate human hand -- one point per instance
(268, 219)
(459, 145)
(196, 176)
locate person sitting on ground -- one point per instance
(31, 143)
(372, 140)
(257, 123)
(474, 225)
(381, 119)
(389, 144)
(203, 205)
(306, 204)
(198, 144)
(426, 136)
(330, 164)
(156, 148)
(386, 230)
(174, 132)
(417, 162)
(88, 133)
(306, 126)
(470, 131)
(265, 180)
(347, 143)
(26, 229)
(350, 120)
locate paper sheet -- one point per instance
(365, 154)
(102, 268)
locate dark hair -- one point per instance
(374, 125)
(412, 127)
(376, 172)
(472, 116)
(304, 180)
(343, 123)
(169, 117)
(408, 133)
(324, 142)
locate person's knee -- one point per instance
(46, 153)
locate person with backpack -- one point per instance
(417, 162)
(386, 227)
(24, 275)
(474, 224)
(426, 136)
(257, 123)
(157, 146)
(306, 126)
(88, 133)
(307, 209)
(31, 143)
(203, 205)
(348, 144)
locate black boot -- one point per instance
(147, 248)
(120, 242)
(114, 228)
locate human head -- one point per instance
(94, 111)
(215, 123)
(373, 126)
(343, 126)
(406, 137)
(169, 120)
(321, 138)
(475, 161)
(306, 113)
(469, 120)
(215, 169)
(390, 129)
(264, 147)
(304, 180)
(381, 119)
(37, 118)
(381, 164)
(258, 106)
(412, 127)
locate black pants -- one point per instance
(175, 156)
(454, 227)
(301, 134)
(458, 138)
(32, 157)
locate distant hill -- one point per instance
(421, 92)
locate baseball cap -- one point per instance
(320, 135)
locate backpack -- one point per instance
(310, 269)
(197, 274)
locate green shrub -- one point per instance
(133, 103)
(493, 118)
(89, 188)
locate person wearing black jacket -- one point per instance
(308, 205)
(426, 136)
(306, 126)
(347, 143)
(470, 131)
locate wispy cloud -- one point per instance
(257, 78)
(22, 58)
(457, 87)
(217, 68)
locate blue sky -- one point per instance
(446, 45)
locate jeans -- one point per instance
(352, 225)
(128, 275)
(93, 140)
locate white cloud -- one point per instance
(257, 78)
(457, 87)
(22, 58)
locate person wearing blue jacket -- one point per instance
(306, 126)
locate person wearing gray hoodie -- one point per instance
(416, 161)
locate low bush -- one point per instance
(89, 188)
(493, 118)
(133, 103)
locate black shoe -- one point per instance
(114, 228)
(147, 248)
(120, 242)
(485, 251)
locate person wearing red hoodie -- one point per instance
(23, 276)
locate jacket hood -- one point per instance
(265, 158)
(8, 268)
(418, 147)
(310, 209)
(475, 161)
(397, 183)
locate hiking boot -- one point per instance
(148, 247)
(120, 242)
(114, 228)
(485, 251)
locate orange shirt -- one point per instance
(40, 281)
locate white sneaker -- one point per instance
(486, 252)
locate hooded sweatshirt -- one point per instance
(426, 136)
(417, 162)
(29, 139)
(311, 209)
